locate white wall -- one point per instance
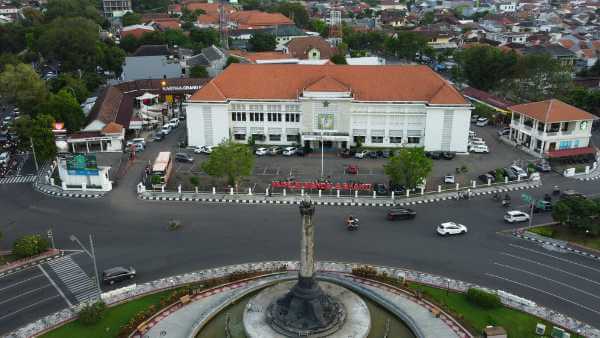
(207, 124)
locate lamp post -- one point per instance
(322, 164)
(91, 254)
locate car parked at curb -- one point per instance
(352, 169)
(449, 179)
(434, 155)
(482, 122)
(479, 148)
(117, 274)
(203, 150)
(275, 150)
(447, 155)
(543, 166)
(289, 151)
(361, 154)
(451, 228)
(261, 151)
(380, 189)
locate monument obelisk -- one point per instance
(306, 309)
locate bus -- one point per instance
(162, 168)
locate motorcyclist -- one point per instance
(496, 196)
(351, 220)
(547, 198)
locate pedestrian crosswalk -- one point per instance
(74, 278)
(17, 179)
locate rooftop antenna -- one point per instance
(223, 25)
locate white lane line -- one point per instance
(550, 267)
(23, 294)
(21, 282)
(546, 278)
(56, 286)
(544, 292)
(27, 307)
(555, 257)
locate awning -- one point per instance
(396, 133)
(257, 131)
(239, 131)
(292, 131)
(378, 132)
(147, 96)
(570, 152)
(359, 132)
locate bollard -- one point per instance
(457, 186)
(489, 181)
(422, 191)
(355, 193)
(338, 194)
(267, 191)
(392, 195)
(506, 179)
(284, 192)
(230, 191)
(179, 189)
(162, 188)
(52, 181)
(407, 193)
(302, 192)
(374, 194)
(250, 191)
(439, 188)
(196, 190)
(83, 186)
(319, 193)
(587, 169)
(474, 184)
(518, 178)
(214, 190)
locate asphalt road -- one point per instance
(128, 231)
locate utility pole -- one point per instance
(322, 145)
(37, 168)
(92, 255)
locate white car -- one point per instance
(449, 179)
(166, 129)
(482, 122)
(174, 123)
(451, 228)
(479, 148)
(518, 171)
(289, 151)
(361, 154)
(203, 150)
(472, 134)
(476, 139)
(477, 142)
(516, 216)
(261, 151)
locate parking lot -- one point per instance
(308, 168)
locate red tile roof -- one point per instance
(551, 111)
(255, 56)
(327, 84)
(367, 83)
(259, 19)
(486, 97)
(299, 47)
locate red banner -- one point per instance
(322, 186)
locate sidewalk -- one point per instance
(42, 186)
(330, 200)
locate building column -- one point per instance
(73, 147)
(101, 147)
(87, 146)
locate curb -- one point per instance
(32, 263)
(556, 245)
(590, 178)
(63, 194)
(328, 203)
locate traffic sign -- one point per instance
(526, 198)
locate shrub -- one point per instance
(31, 245)
(92, 313)
(543, 231)
(155, 179)
(484, 299)
(195, 181)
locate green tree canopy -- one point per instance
(131, 18)
(38, 129)
(484, 67)
(129, 43)
(230, 160)
(406, 45)
(12, 38)
(579, 213)
(295, 11)
(63, 107)
(409, 167)
(319, 26)
(230, 60)
(8, 59)
(198, 72)
(111, 58)
(262, 42)
(71, 83)
(73, 9)
(22, 86)
(339, 59)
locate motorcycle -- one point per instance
(555, 190)
(505, 203)
(352, 224)
(496, 197)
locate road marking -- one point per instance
(56, 286)
(550, 267)
(558, 258)
(544, 292)
(21, 282)
(27, 307)
(546, 278)
(23, 294)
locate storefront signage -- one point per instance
(322, 186)
(181, 88)
(82, 164)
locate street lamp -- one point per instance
(92, 255)
(322, 145)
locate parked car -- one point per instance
(485, 177)
(474, 118)
(519, 171)
(513, 216)
(386, 154)
(361, 154)
(289, 151)
(449, 179)
(184, 157)
(117, 274)
(397, 189)
(446, 155)
(542, 206)
(275, 150)
(345, 153)
(434, 155)
(174, 123)
(570, 193)
(504, 132)
(472, 134)
(482, 122)
(300, 152)
(203, 150)
(158, 137)
(400, 214)
(261, 151)
(137, 147)
(166, 129)
(479, 148)
(140, 140)
(373, 154)
(451, 228)
(476, 139)
(380, 189)
(4, 158)
(508, 172)
(352, 169)
(543, 166)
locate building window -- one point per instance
(258, 137)
(414, 140)
(376, 139)
(359, 139)
(240, 116)
(395, 139)
(233, 116)
(293, 138)
(251, 117)
(292, 117)
(273, 117)
(274, 137)
(239, 137)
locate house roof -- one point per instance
(551, 111)
(553, 50)
(327, 84)
(486, 97)
(112, 128)
(368, 83)
(258, 19)
(299, 47)
(255, 56)
(152, 50)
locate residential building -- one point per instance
(136, 30)
(258, 19)
(116, 8)
(212, 58)
(283, 34)
(557, 52)
(551, 129)
(310, 47)
(385, 106)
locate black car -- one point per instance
(380, 153)
(346, 153)
(508, 172)
(183, 157)
(434, 155)
(380, 189)
(300, 152)
(400, 213)
(372, 154)
(446, 155)
(485, 177)
(386, 154)
(397, 188)
(117, 274)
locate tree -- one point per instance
(31, 245)
(338, 59)
(38, 129)
(198, 72)
(230, 160)
(427, 18)
(294, 11)
(12, 38)
(177, 37)
(409, 167)
(129, 43)
(111, 58)
(131, 18)
(204, 37)
(579, 213)
(63, 107)
(22, 86)
(230, 60)
(150, 5)
(319, 26)
(69, 82)
(262, 42)
(72, 9)
(406, 45)
(586, 99)
(8, 59)
(484, 67)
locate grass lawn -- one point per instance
(109, 326)
(4, 259)
(518, 324)
(565, 234)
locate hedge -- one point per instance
(484, 299)
(31, 245)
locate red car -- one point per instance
(352, 169)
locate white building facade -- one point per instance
(330, 110)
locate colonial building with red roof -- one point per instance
(551, 129)
(377, 106)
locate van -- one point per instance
(479, 148)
